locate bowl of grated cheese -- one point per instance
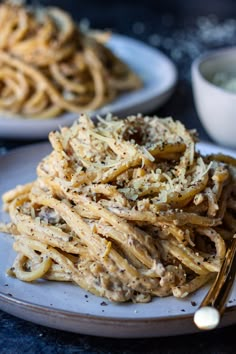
(214, 91)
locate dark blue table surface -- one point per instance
(182, 29)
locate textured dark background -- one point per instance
(182, 29)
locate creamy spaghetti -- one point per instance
(127, 209)
(48, 66)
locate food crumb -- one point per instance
(138, 27)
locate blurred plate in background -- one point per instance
(156, 70)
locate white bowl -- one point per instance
(216, 107)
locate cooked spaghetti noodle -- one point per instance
(127, 209)
(48, 66)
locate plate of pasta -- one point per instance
(51, 71)
(117, 227)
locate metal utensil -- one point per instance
(212, 307)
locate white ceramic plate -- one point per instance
(66, 306)
(156, 70)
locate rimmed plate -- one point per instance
(156, 70)
(66, 306)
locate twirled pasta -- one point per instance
(48, 66)
(127, 209)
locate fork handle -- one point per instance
(213, 306)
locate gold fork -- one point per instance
(212, 307)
